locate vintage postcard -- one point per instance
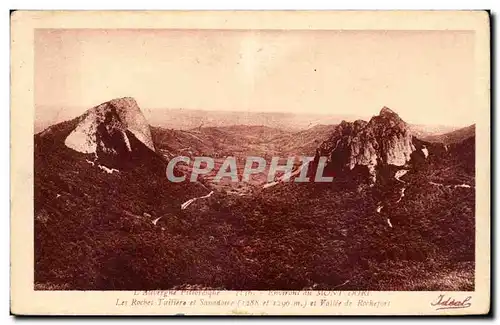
(250, 163)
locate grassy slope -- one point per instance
(217, 141)
(240, 141)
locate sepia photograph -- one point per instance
(281, 160)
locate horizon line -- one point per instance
(149, 109)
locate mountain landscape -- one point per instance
(455, 136)
(398, 215)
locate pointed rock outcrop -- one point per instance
(102, 129)
(384, 140)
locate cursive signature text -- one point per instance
(444, 302)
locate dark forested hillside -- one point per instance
(121, 225)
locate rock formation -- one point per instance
(384, 140)
(108, 130)
(102, 129)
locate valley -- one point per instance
(239, 142)
(399, 215)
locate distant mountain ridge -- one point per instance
(424, 130)
(455, 136)
(186, 119)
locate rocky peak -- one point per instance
(386, 111)
(105, 130)
(388, 118)
(384, 140)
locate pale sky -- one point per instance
(426, 77)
